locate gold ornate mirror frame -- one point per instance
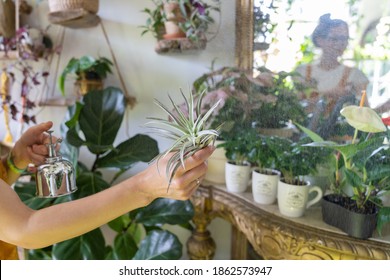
(244, 34)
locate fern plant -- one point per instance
(186, 126)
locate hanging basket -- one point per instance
(74, 13)
(7, 19)
(91, 6)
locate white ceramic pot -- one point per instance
(237, 177)
(293, 200)
(216, 165)
(265, 185)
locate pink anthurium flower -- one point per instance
(363, 118)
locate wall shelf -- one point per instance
(179, 45)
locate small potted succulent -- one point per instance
(362, 175)
(88, 71)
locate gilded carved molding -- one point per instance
(274, 237)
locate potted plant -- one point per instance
(237, 168)
(363, 167)
(89, 72)
(139, 233)
(294, 161)
(186, 18)
(265, 177)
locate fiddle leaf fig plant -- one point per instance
(187, 128)
(94, 123)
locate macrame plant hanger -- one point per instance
(130, 100)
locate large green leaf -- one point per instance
(124, 247)
(138, 148)
(89, 183)
(101, 118)
(159, 245)
(165, 211)
(27, 193)
(89, 246)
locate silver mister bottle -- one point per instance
(56, 177)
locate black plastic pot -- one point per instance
(354, 224)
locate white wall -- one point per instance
(147, 75)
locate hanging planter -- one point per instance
(186, 24)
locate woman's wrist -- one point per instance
(12, 166)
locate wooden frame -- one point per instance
(244, 34)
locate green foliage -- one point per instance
(197, 18)
(364, 167)
(155, 22)
(94, 123)
(85, 66)
(267, 101)
(186, 127)
(295, 160)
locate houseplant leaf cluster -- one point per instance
(266, 101)
(186, 127)
(362, 165)
(85, 67)
(94, 123)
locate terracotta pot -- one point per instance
(172, 12)
(172, 30)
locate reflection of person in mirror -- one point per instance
(333, 84)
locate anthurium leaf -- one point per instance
(353, 178)
(89, 246)
(101, 118)
(363, 118)
(313, 136)
(159, 245)
(366, 149)
(124, 247)
(383, 218)
(138, 148)
(166, 211)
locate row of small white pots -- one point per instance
(268, 187)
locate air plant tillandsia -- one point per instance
(187, 127)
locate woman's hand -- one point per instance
(31, 147)
(184, 183)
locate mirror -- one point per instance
(9, 24)
(281, 39)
